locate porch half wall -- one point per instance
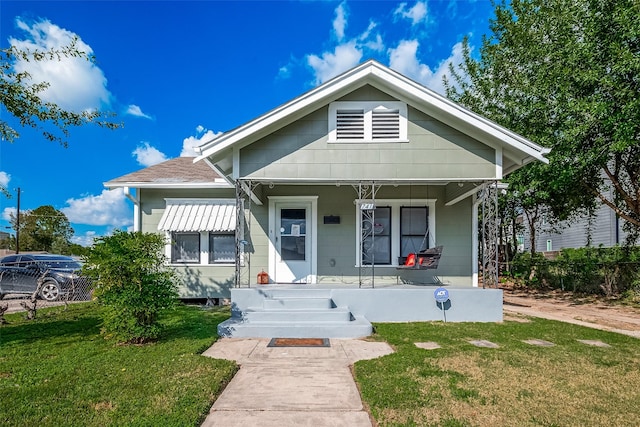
(397, 304)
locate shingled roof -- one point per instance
(173, 172)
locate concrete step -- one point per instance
(298, 315)
(297, 303)
(298, 292)
(237, 328)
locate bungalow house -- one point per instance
(330, 194)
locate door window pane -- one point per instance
(293, 248)
(293, 222)
(293, 230)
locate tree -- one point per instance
(132, 283)
(565, 75)
(21, 98)
(44, 229)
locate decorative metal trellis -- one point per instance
(244, 189)
(367, 208)
(489, 229)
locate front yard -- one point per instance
(59, 370)
(570, 383)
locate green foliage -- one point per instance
(132, 283)
(564, 74)
(613, 272)
(20, 97)
(44, 229)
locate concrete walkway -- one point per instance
(292, 386)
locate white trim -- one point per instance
(474, 240)
(181, 185)
(218, 171)
(313, 200)
(135, 199)
(395, 205)
(498, 163)
(204, 251)
(235, 172)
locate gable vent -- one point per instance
(385, 124)
(350, 124)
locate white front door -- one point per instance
(292, 233)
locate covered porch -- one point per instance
(365, 233)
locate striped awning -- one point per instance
(198, 215)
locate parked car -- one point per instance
(19, 274)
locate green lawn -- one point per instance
(59, 371)
(517, 384)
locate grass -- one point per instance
(517, 384)
(58, 370)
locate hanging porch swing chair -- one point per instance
(422, 259)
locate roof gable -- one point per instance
(520, 149)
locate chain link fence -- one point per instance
(29, 284)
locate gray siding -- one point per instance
(301, 151)
(197, 281)
(603, 232)
(336, 243)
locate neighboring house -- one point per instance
(341, 183)
(604, 228)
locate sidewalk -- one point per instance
(292, 386)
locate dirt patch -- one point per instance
(566, 306)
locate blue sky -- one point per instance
(177, 73)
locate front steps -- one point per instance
(295, 313)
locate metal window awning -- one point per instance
(198, 215)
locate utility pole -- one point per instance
(18, 225)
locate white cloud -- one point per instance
(404, 59)
(340, 21)
(134, 110)
(189, 144)
(455, 58)
(146, 155)
(4, 179)
(108, 208)
(74, 83)
(7, 212)
(344, 57)
(417, 14)
(85, 239)
(347, 53)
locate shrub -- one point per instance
(608, 271)
(132, 284)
